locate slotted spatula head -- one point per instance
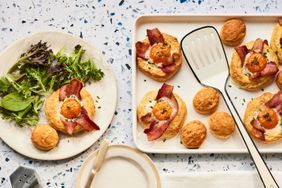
(203, 50)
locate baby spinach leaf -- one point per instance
(15, 102)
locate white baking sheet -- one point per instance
(186, 84)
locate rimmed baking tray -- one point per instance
(186, 85)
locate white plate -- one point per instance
(123, 167)
(19, 138)
(186, 84)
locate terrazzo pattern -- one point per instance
(107, 24)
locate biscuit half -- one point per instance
(242, 80)
(174, 126)
(52, 110)
(154, 72)
(275, 41)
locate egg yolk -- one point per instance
(256, 62)
(159, 53)
(162, 110)
(70, 108)
(268, 118)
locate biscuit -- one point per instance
(278, 80)
(276, 41)
(206, 100)
(233, 32)
(52, 110)
(44, 137)
(252, 109)
(152, 70)
(241, 79)
(193, 134)
(174, 126)
(221, 125)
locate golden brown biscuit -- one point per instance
(152, 70)
(276, 41)
(206, 100)
(240, 74)
(193, 134)
(44, 137)
(233, 32)
(174, 126)
(52, 110)
(221, 125)
(278, 80)
(254, 108)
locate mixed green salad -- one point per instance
(37, 73)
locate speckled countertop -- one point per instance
(108, 24)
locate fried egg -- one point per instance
(70, 108)
(162, 109)
(269, 120)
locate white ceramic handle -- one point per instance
(262, 169)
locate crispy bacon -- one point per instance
(70, 126)
(73, 88)
(276, 102)
(165, 91)
(280, 21)
(265, 42)
(169, 68)
(258, 45)
(141, 48)
(147, 118)
(242, 51)
(270, 69)
(256, 124)
(157, 128)
(155, 36)
(85, 122)
(258, 134)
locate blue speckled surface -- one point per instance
(108, 25)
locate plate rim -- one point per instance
(119, 146)
(106, 66)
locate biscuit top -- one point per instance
(206, 100)
(193, 134)
(233, 31)
(44, 137)
(221, 124)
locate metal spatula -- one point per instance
(203, 50)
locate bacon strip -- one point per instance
(270, 69)
(169, 68)
(85, 122)
(258, 45)
(165, 91)
(155, 36)
(265, 42)
(157, 128)
(70, 126)
(276, 102)
(147, 118)
(255, 123)
(73, 88)
(141, 49)
(242, 51)
(258, 134)
(280, 21)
